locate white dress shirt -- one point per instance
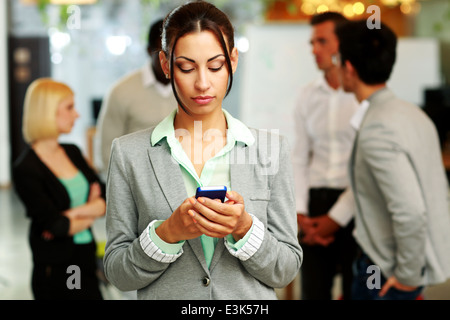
(324, 140)
(358, 117)
(149, 79)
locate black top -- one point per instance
(45, 199)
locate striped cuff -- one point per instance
(252, 245)
(152, 250)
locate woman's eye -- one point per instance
(215, 69)
(185, 69)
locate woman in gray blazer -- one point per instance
(161, 240)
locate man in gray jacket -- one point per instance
(397, 175)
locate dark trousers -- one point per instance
(361, 290)
(49, 280)
(321, 264)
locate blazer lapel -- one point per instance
(351, 165)
(240, 175)
(218, 251)
(197, 248)
(241, 171)
(168, 174)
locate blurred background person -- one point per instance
(139, 100)
(397, 175)
(324, 138)
(62, 195)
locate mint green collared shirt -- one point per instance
(216, 171)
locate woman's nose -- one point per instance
(202, 82)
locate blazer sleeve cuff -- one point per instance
(253, 243)
(170, 253)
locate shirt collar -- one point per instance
(237, 131)
(358, 116)
(322, 83)
(149, 79)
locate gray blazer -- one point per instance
(400, 188)
(144, 183)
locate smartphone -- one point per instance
(214, 192)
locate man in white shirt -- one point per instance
(138, 101)
(324, 139)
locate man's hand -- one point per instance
(316, 231)
(393, 282)
(325, 226)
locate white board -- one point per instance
(280, 60)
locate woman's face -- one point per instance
(66, 115)
(200, 72)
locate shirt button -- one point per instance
(206, 281)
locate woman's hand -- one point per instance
(94, 207)
(179, 226)
(95, 192)
(213, 218)
(216, 219)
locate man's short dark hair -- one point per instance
(332, 16)
(154, 35)
(372, 52)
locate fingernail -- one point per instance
(201, 200)
(192, 214)
(192, 200)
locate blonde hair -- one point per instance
(41, 103)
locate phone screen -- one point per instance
(212, 192)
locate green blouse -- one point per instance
(78, 189)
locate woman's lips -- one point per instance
(203, 99)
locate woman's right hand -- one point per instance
(94, 207)
(79, 224)
(95, 192)
(180, 226)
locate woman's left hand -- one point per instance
(217, 219)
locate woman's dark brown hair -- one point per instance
(197, 16)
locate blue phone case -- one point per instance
(216, 192)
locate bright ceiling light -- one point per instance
(118, 44)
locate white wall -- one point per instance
(5, 176)
(279, 61)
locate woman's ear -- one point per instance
(234, 57)
(164, 64)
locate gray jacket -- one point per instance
(145, 184)
(400, 189)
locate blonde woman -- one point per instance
(62, 196)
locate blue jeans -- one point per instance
(364, 288)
